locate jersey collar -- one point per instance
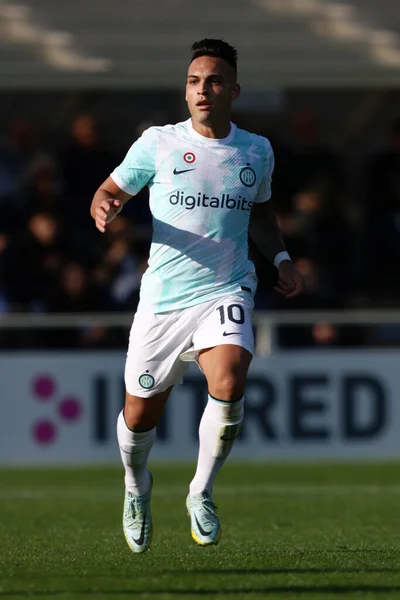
(210, 141)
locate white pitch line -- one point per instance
(99, 494)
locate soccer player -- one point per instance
(209, 186)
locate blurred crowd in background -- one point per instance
(342, 229)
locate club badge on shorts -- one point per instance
(146, 381)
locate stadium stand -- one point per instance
(79, 86)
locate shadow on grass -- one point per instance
(262, 590)
(240, 592)
(285, 571)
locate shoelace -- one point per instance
(135, 508)
(211, 509)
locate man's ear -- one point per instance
(236, 91)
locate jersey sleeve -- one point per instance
(264, 190)
(138, 167)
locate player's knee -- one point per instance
(138, 414)
(227, 387)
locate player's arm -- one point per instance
(107, 203)
(133, 174)
(266, 235)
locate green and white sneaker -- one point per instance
(205, 525)
(137, 522)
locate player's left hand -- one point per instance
(290, 283)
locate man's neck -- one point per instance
(216, 131)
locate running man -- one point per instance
(209, 186)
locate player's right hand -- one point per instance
(105, 212)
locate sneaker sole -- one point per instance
(200, 543)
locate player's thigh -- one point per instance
(155, 344)
(225, 368)
(225, 342)
(227, 321)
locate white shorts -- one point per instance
(160, 345)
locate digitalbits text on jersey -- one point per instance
(204, 201)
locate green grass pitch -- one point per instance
(319, 531)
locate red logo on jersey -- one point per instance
(189, 157)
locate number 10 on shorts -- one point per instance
(233, 313)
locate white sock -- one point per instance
(135, 448)
(219, 420)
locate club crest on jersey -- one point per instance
(146, 381)
(189, 157)
(247, 176)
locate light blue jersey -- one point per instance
(201, 194)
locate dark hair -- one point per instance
(217, 48)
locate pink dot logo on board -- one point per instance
(43, 387)
(44, 432)
(68, 409)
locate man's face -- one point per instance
(210, 89)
